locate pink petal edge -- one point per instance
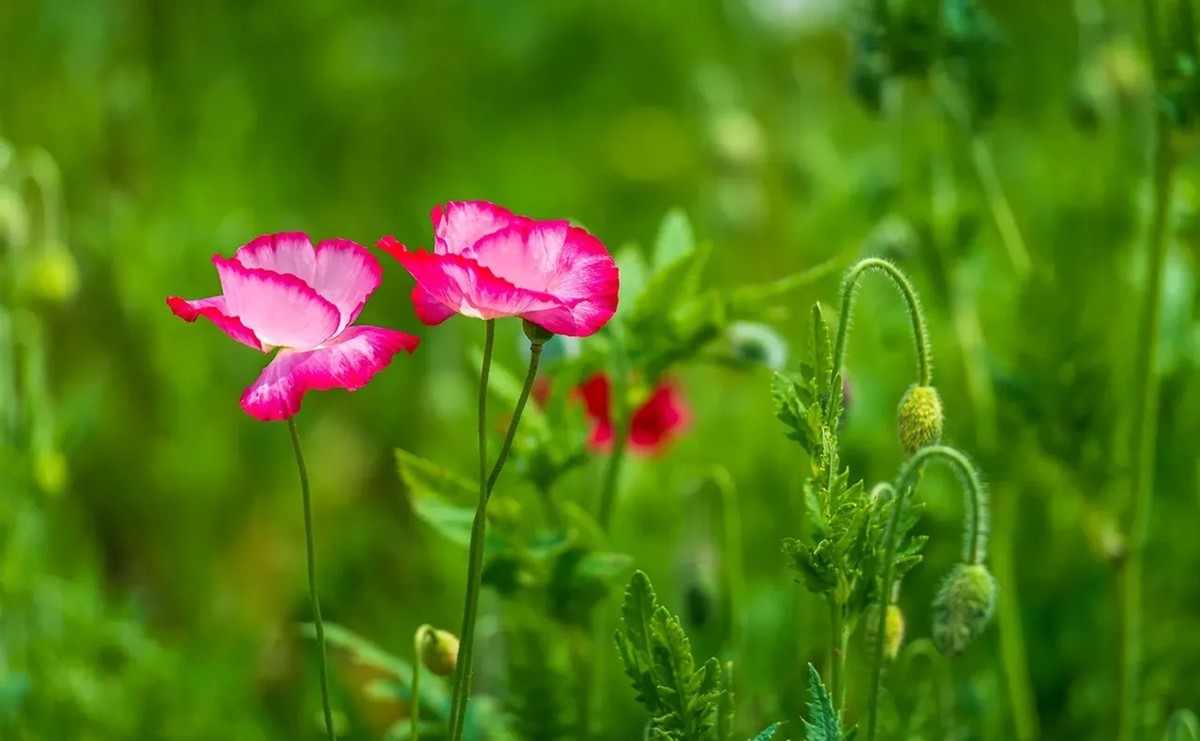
(346, 275)
(280, 309)
(214, 310)
(286, 253)
(458, 225)
(350, 363)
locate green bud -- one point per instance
(920, 418)
(963, 607)
(893, 629)
(537, 334)
(53, 274)
(439, 651)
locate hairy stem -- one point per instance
(415, 705)
(1143, 442)
(912, 304)
(974, 542)
(487, 482)
(837, 651)
(312, 579)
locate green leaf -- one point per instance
(822, 350)
(634, 273)
(675, 239)
(767, 733)
(443, 500)
(822, 723)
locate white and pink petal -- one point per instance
(281, 309)
(346, 275)
(215, 310)
(349, 363)
(458, 225)
(288, 253)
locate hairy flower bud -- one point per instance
(893, 629)
(920, 418)
(963, 607)
(439, 651)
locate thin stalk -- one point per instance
(912, 304)
(1143, 441)
(466, 649)
(734, 568)
(974, 542)
(616, 459)
(837, 651)
(312, 579)
(462, 677)
(1008, 618)
(998, 204)
(415, 709)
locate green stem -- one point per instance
(487, 482)
(735, 573)
(312, 579)
(415, 709)
(466, 649)
(612, 474)
(1143, 441)
(974, 542)
(837, 651)
(915, 315)
(998, 204)
(1008, 617)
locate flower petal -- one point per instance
(288, 253)
(663, 416)
(349, 363)
(429, 310)
(280, 309)
(458, 225)
(346, 275)
(585, 280)
(214, 310)
(461, 284)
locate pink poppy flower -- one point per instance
(489, 263)
(279, 292)
(654, 424)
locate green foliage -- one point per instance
(684, 700)
(767, 733)
(823, 722)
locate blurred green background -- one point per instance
(151, 544)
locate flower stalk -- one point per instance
(974, 542)
(312, 580)
(487, 481)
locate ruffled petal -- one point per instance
(429, 310)
(584, 279)
(458, 225)
(461, 284)
(280, 309)
(349, 363)
(287, 253)
(214, 310)
(346, 275)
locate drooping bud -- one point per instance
(920, 418)
(537, 334)
(963, 607)
(439, 651)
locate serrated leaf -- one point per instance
(822, 723)
(637, 611)
(767, 733)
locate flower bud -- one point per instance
(920, 418)
(53, 274)
(963, 607)
(439, 651)
(893, 629)
(537, 334)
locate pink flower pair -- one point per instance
(279, 291)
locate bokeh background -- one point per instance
(151, 542)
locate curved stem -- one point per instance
(974, 546)
(415, 710)
(312, 579)
(1143, 442)
(915, 315)
(462, 677)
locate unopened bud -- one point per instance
(893, 629)
(537, 334)
(920, 418)
(439, 651)
(963, 607)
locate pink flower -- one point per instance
(662, 416)
(280, 292)
(489, 263)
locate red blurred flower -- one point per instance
(653, 425)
